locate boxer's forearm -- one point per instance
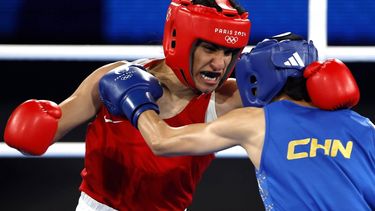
(193, 139)
(153, 129)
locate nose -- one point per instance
(219, 60)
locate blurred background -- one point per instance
(342, 29)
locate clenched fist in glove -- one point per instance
(130, 90)
(331, 85)
(32, 126)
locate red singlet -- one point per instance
(123, 173)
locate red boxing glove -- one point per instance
(32, 126)
(331, 85)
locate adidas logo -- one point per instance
(295, 61)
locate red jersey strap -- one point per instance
(197, 105)
(148, 63)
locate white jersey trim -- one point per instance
(86, 203)
(211, 114)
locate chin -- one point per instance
(207, 90)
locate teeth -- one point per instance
(208, 78)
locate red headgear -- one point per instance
(187, 23)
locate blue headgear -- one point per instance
(263, 72)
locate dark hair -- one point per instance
(296, 89)
(212, 3)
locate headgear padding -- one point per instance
(263, 72)
(187, 23)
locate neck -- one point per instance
(175, 95)
(299, 102)
(170, 81)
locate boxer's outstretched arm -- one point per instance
(35, 124)
(83, 103)
(234, 128)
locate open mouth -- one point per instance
(211, 76)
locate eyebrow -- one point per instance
(219, 47)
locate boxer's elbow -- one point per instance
(162, 145)
(155, 145)
(158, 148)
(159, 137)
(159, 145)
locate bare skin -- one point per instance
(243, 127)
(84, 103)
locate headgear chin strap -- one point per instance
(187, 23)
(263, 72)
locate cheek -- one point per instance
(197, 62)
(228, 59)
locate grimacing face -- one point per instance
(210, 62)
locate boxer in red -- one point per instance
(202, 42)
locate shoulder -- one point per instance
(113, 65)
(99, 72)
(228, 87)
(252, 126)
(96, 75)
(249, 115)
(227, 97)
(243, 126)
(246, 119)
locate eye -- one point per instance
(209, 48)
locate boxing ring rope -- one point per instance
(77, 150)
(121, 52)
(317, 31)
(79, 52)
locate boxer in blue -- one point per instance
(311, 152)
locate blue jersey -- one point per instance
(317, 160)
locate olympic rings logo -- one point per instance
(231, 39)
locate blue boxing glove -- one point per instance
(130, 90)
